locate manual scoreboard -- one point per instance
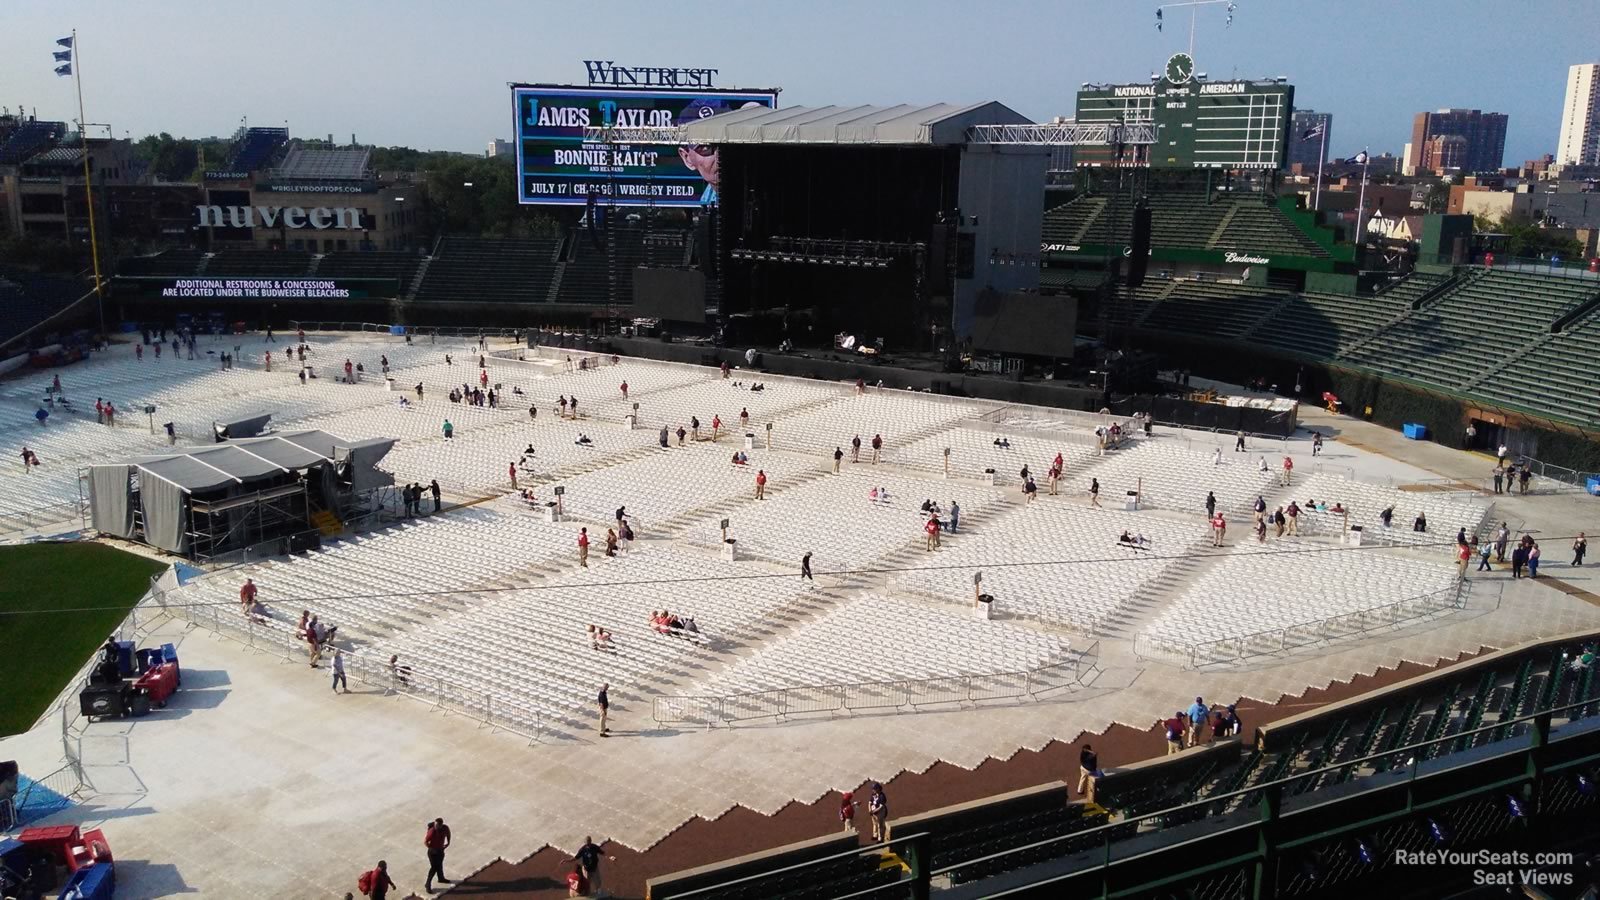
(1199, 123)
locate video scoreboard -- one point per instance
(1200, 124)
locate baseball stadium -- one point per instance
(1090, 507)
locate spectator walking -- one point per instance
(878, 811)
(838, 454)
(681, 433)
(1238, 442)
(1227, 724)
(449, 430)
(855, 449)
(1094, 493)
(1174, 732)
(1483, 557)
(1523, 477)
(1533, 561)
(583, 547)
(847, 811)
(1387, 516)
(1211, 504)
(1088, 769)
(1519, 559)
(877, 446)
(1288, 470)
(611, 542)
(1579, 548)
(1030, 489)
(437, 840)
(1292, 512)
(1055, 479)
(805, 567)
(955, 516)
(1463, 557)
(716, 427)
(588, 858)
(761, 484)
(375, 883)
(339, 680)
(1499, 478)
(247, 596)
(1199, 714)
(624, 390)
(1216, 457)
(694, 428)
(930, 530)
(1219, 529)
(513, 475)
(1501, 536)
(1316, 443)
(665, 439)
(1279, 520)
(433, 488)
(603, 703)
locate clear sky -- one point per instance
(433, 75)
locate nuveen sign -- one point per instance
(319, 217)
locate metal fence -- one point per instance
(898, 694)
(1237, 648)
(368, 666)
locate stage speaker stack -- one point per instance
(103, 700)
(1139, 258)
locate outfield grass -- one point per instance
(43, 650)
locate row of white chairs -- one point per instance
(878, 638)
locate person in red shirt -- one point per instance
(483, 378)
(877, 444)
(716, 425)
(744, 417)
(247, 596)
(847, 811)
(513, 476)
(624, 390)
(1174, 733)
(378, 881)
(437, 840)
(269, 360)
(931, 529)
(583, 547)
(725, 370)
(577, 882)
(1219, 529)
(1288, 469)
(761, 484)
(1057, 465)
(1463, 556)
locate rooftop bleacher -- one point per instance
(28, 139)
(254, 148)
(327, 164)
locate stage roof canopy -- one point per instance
(241, 461)
(941, 124)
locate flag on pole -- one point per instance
(65, 69)
(65, 42)
(1360, 159)
(1312, 133)
(62, 55)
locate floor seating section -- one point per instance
(1056, 561)
(1446, 512)
(1246, 593)
(901, 418)
(898, 640)
(1168, 476)
(974, 454)
(836, 519)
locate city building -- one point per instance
(1483, 140)
(1579, 142)
(1306, 147)
(1444, 153)
(499, 148)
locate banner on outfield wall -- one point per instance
(556, 166)
(224, 288)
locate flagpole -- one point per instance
(88, 179)
(1322, 154)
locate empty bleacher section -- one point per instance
(29, 138)
(490, 270)
(1471, 329)
(168, 262)
(1557, 375)
(1258, 228)
(1212, 310)
(398, 265)
(587, 277)
(27, 299)
(259, 262)
(254, 147)
(1322, 326)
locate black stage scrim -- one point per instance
(1025, 324)
(676, 295)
